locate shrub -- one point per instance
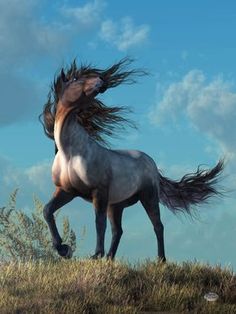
(26, 236)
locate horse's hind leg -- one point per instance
(150, 202)
(115, 216)
(59, 199)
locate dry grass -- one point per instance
(87, 286)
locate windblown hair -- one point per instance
(191, 190)
(97, 118)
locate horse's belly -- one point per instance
(123, 188)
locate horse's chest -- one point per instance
(71, 175)
(60, 171)
(79, 171)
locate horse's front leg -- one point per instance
(100, 202)
(60, 198)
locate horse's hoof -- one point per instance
(110, 258)
(65, 251)
(97, 256)
(162, 259)
(93, 256)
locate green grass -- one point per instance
(87, 286)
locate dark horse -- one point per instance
(110, 179)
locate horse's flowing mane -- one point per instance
(97, 118)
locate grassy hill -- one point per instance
(87, 286)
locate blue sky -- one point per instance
(185, 108)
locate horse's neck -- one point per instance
(69, 135)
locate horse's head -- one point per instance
(79, 88)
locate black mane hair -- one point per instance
(97, 118)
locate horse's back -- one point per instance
(134, 158)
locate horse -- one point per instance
(110, 179)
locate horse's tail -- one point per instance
(192, 189)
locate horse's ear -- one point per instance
(63, 76)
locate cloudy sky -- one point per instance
(185, 108)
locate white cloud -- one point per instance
(209, 105)
(123, 34)
(24, 39)
(35, 179)
(86, 16)
(23, 34)
(29, 40)
(40, 175)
